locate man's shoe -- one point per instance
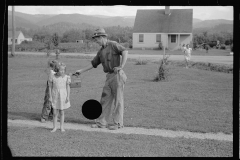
(115, 127)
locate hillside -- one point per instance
(62, 27)
(95, 21)
(21, 22)
(211, 23)
(31, 17)
(217, 29)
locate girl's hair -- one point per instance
(52, 63)
(60, 64)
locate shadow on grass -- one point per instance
(37, 117)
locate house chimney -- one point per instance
(167, 10)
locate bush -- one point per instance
(36, 46)
(141, 62)
(212, 44)
(160, 46)
(29, 46)
(163, 71)
(223, 46)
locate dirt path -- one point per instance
(127, 130)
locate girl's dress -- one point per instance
(59, 91)
(47, 110)
(188, 53)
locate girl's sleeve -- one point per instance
(68, 79)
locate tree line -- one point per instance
(205, 37)
(115, 33)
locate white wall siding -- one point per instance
(149, 40)
(20, 38)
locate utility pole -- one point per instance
(13, 32)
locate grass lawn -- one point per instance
(211, 52)
(24, 141)
(192, 99)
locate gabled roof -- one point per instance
(156, 21)
(16, 34)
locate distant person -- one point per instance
(187, 55)
(112, 100)
(57, 53)
(207, 48)
(47, 110)
(60, 94)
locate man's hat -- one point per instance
(99, 32)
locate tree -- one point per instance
(55, 39)
(72, 36)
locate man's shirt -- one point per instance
(109, 56)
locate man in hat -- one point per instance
(113, 57)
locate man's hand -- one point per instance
(78, 72)
(117, 69)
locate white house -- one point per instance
(19, 37)
(171, 27)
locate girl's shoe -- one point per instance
(43, 120)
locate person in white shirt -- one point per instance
(183, 48)
(187, 54)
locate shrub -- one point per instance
(160, 46)
(141, 62)
(163, 71)
(223, 46)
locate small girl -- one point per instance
(59, 93)
(47, 110)
(187, 54)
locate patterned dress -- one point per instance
(59, 91)
(47, 111)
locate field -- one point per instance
(191, 100)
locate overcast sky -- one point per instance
(199, 12)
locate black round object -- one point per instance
(91, 109)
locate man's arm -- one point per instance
(88, 67)
(124, 58)
(123, 62)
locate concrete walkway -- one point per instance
(126, 130)
(210, 59)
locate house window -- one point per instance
(173, 39)
(158, 38)
(140, 37)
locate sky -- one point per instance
(199, 12)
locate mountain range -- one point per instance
(30, 21)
